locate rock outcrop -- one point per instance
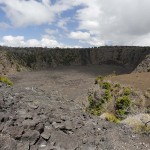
(144, 66)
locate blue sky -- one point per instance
(74, 23)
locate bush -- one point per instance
(107, 96)
(95, 108)
(106, 85)
(90, 99)
(123, 102)
(122, 105)
(5, 80)
(126, 91)
(95, 111)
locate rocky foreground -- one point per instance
(31, 119)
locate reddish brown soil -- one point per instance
(140, 81)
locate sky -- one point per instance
(74, 23)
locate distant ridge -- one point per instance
(14, 59)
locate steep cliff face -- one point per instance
(144, 66)
(6, 64)
(40, 58)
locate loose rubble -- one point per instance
(33, 120)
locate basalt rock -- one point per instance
(65, 128)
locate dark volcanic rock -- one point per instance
(58, 125)
(7, 143)
(31, 135)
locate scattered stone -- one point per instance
(29, 124)
(46, 134)
(33, 147)
(68, 125)
(58, 125)
(33, 106)
(31, 135)
(40, 127)
(7, 143)
(23, 146)
(15, 131)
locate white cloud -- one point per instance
(13, 41)
(19, 41)
(33, 12)
(78, 35)
(24, 13)
(32, 43)
(122, 22)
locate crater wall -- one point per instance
(17, 59)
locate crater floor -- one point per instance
(45, 111)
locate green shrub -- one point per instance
(90, 99)
(126, 91)
(107, 96)
(122, 104)
(95, 111)
(95, 108)
(5, 80)
(121, 113)
(106, 85)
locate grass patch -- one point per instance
(5, 80)
(126, 91)
(142, 129)
(111, 117)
